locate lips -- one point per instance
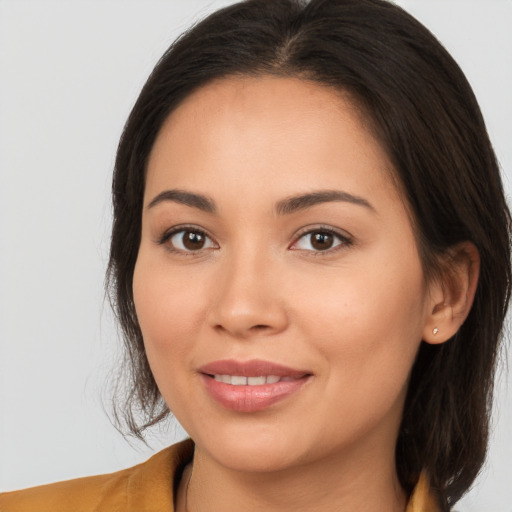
(251, 386)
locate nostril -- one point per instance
(259, 327)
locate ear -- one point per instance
(451, 294)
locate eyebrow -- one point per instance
(304, 201)
(191, 199)
(283, 207)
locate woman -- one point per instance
(310, 263)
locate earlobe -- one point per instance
(452, 294)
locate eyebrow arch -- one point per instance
(192, 199)
(296, 203)
(283, 207)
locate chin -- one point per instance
(253, 459)
(252, 450)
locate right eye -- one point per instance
(188, 240)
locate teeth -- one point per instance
(239, 380)
(256, 381)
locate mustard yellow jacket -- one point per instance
(142, 488)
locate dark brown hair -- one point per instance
(425, 115)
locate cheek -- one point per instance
(168, 308)
(367, 329)
(367, 323)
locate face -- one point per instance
(278, 284)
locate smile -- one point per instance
(252, 385)
(240, 380)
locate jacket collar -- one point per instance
(422, 498)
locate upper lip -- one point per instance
(252, 368)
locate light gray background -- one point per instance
(70, 71)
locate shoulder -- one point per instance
(147, 486)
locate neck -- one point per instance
(334, 484)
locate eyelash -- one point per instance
(344, 240)
(167, 235)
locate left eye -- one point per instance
(319, 240)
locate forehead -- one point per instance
(289, 132)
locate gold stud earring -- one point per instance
(435, 330)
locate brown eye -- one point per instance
(193, 241)
(320, 240)
(188, 240)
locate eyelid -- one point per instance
(169, 233)
(345, 238)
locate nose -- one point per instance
(248, 299)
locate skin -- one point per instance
(353, 315)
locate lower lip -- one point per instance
(251, 398)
